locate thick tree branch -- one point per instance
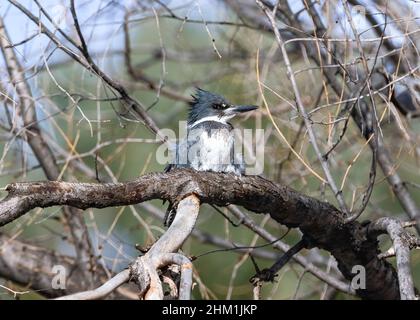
(321, 222)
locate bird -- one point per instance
(404, 94)
(209, 144)
(406, 97)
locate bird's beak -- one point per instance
(241, 109)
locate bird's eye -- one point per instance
(219, 106)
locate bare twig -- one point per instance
(401, 244)
(306, 119)
(89, 64)
(268, 275)
(101, 292)
(42, 150)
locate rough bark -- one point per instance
(321, 222)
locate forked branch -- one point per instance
(322, 223)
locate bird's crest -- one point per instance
(203, 103)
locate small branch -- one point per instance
(83, 47)
(299, 259)
(185, 285)
(268, 275)
(138, 75)
(302, 111)
(18, 260)
(87, 62)
(256, 290)
(42, 150)
(384, 158)
(162, 253)
(400, 239)
(101, 292)
(144, 270)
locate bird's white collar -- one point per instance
(222, 120)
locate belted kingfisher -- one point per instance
(210, 141)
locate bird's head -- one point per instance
(210, 106)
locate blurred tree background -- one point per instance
(159, 51)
